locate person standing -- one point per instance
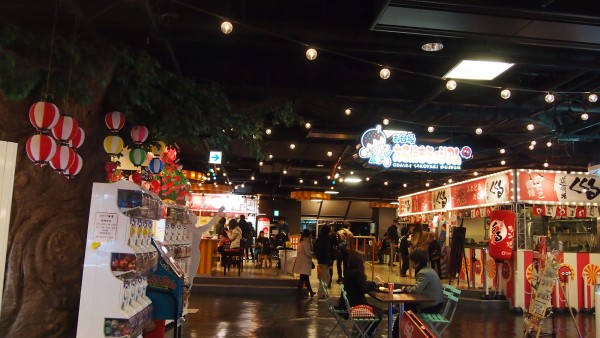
(323, 253)
(392, 233)
(344, 242)
(404, 246)
(303, 264)
(283, 226)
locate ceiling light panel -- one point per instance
(478, 70)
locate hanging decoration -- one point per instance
(62, 159)
(75, 168)
(137, 156)
(170, 184)
(136, 177)
(43, 116)
(78, 139)
(40, 149)
(114, 120)
(155, 166)
(65, 129)
(139, 134)
(157, 151)
(113, 144)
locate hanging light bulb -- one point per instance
(533, 143)
(449, 180)
(284, 172)
(385, 183)
(242, 185)
(270, 156)
(549, 98)
(260, 163)
(292, 146)
(367, 179)
(348, 111)
(503, 162)
(386, 122)
(530, 127)
(531, 147)
(502, 151)
(268, 131)
(316, 182)
(404, 185)
(478, 131)
(427, 184)
(311, 54)
(328, 177)
(585, 116)
(546, 164)
(385, 73)
(341, 179)
(475, 173)
(451, 85)
(505, 93)
(252, 177)
(430, 129)
(307, 125)
(226, 27)
(301, 181)
(548, 144)
(593, 98)
(329, 153)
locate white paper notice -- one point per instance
(105, 227)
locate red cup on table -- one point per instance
(391, 288)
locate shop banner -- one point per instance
(468, 194)
(558, 187)
(442, 199)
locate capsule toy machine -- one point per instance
(119, 257)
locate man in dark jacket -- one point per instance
(404, 245)
(323, 253)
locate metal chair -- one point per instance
(339, 314)
(362, 316)
(439, 322)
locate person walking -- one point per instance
(344, 241)
(404, 246)
(303, 264)
(323, 253)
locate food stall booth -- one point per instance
(561, 206)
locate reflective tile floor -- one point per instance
(268, 316)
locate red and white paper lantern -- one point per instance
(65, 129)
(75, 168)
(139, 134)
(43, 115)
(40, 149)
(114, 120)
(78, 139)
(63, 159)
(502, 229)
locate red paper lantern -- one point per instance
(63, 159)
(43, 115)
(502, 229)
(136, 177)
(114, 120)
(77, 140)
(40, 149)
(110, 167)
(139, 134)
(65, 129)
(74, 169)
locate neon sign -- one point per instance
(399, 149)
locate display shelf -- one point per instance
(118, 258)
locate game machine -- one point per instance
(119, 257)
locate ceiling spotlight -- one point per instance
(386, 122)
(329, 153)
(478, 131)
(427, 184)
(432, 45)
(367, 179)
(475, 173)
(292, 146)
(530, 127)
(505, 93)
(226, 27)
(252, 177)
(548, 144)
(503, 162)
(385, 183)
(348, 111)
(585, 116)
(430, 129)
(549, 98)
(593, 98)
(260, 163)
(385, 73)
(316, 182)
(301, 181)
(311, 54)
(502, 151)
(284, 172)
(307, 125)
(404, 185)
(545, 164)
(451, 85)
(268, 131)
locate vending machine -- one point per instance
(119, 257)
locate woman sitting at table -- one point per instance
(428, 284)
(356, 286)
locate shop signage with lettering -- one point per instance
(558, 187)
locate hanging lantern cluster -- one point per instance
(60, 151)
(113, 144)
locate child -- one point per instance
(263, 245)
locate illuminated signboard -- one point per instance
(399, 149)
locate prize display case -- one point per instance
(119, 257)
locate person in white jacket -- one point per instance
(303, 264)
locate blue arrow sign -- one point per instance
(215, 157)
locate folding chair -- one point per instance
(362, 316)
(338, 314)
(439, 322)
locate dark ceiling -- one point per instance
(555, 46)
